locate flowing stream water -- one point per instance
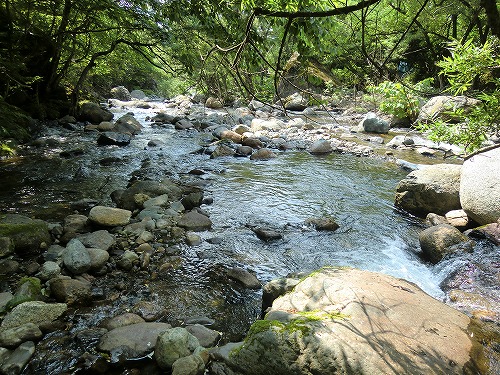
(281, 193)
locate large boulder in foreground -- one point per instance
(93, 113)
(433, 188)
(348, 321)
(480, 186)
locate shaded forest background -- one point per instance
(55, 53)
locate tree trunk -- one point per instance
(493, 15)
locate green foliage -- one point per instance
(467, 64)
(398, 99)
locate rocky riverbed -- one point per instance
(100, 285)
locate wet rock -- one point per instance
(222, 150)
(12, 337)
(93, 113)
(371, 123)
(334, 321)
(192, 239)
(173, 344)
(263, 154)
(432, 188)
(54, 253)
(30, 289)
(479, 187)
(149, 311)
(144, 237)
(123, 320)
(105, 126)
(252, 142)
(194, 221)
(18, 359)
(184, 124)
(49, 270)
(76, 258)
(439, 240)
(442, 108)
(113, 139)
(276, 288)
(213, 103)
(230, 135)
(192, 200)
(266, 234)
(100, 239)
(435, 219)
(191, 365)
(247, 279)
(165, 118)
(109, 216)
(321, 147)
(139, 338)
(206, 337)
(153, 189)
(98, 258)
(327, 223)
(244, 151)
(33, 312)
(127, 124)
(71, 291)
(26, 233)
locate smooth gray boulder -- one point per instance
(12, 337)
(194, 221)
(139, 338)
(100, 239)
(349, 321)
(18, 359)
(371, 123)
(127, 124)
(35, 312)
(93, 113)
(109, 216)
(431, 188)
(174, 344)
(480, 187)
(442, 239)
(320, 146)
(76, 258)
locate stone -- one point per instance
(439, 240)
(120, 93)
(76, 224)
(12, 337)
(252, 142)
(137, 94)
(109, 216)
(263, 154)
(98, 258)
(267, 234)
(49, 270)
(247, 279)
(123, 320)
(213, 103)
(480, 187)
(140, 339)
(230, 135)
(149, 311)
(371, 123)
(113, 139)
(76, 258)
(6, 246)
(222, 150)
(100, 239)
(106, 126)
(320, 147)
(194, 221)
(184, 124)
(326, 223)
(93, 113)
(27, 234)
(244, 150)
(173, 344)
(127, 124)
(275, 288)
(191, 365)
(125, 199)
(295, 102)
(18, 359)
(192, 200)
(70, 291)
(432, 188)
(192, 239)
(342, 320)
(33, 312)
(5, 297)
(442, 107)
(457, 218)
(206, 337)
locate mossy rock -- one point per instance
(15, 123)
(27, 234)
